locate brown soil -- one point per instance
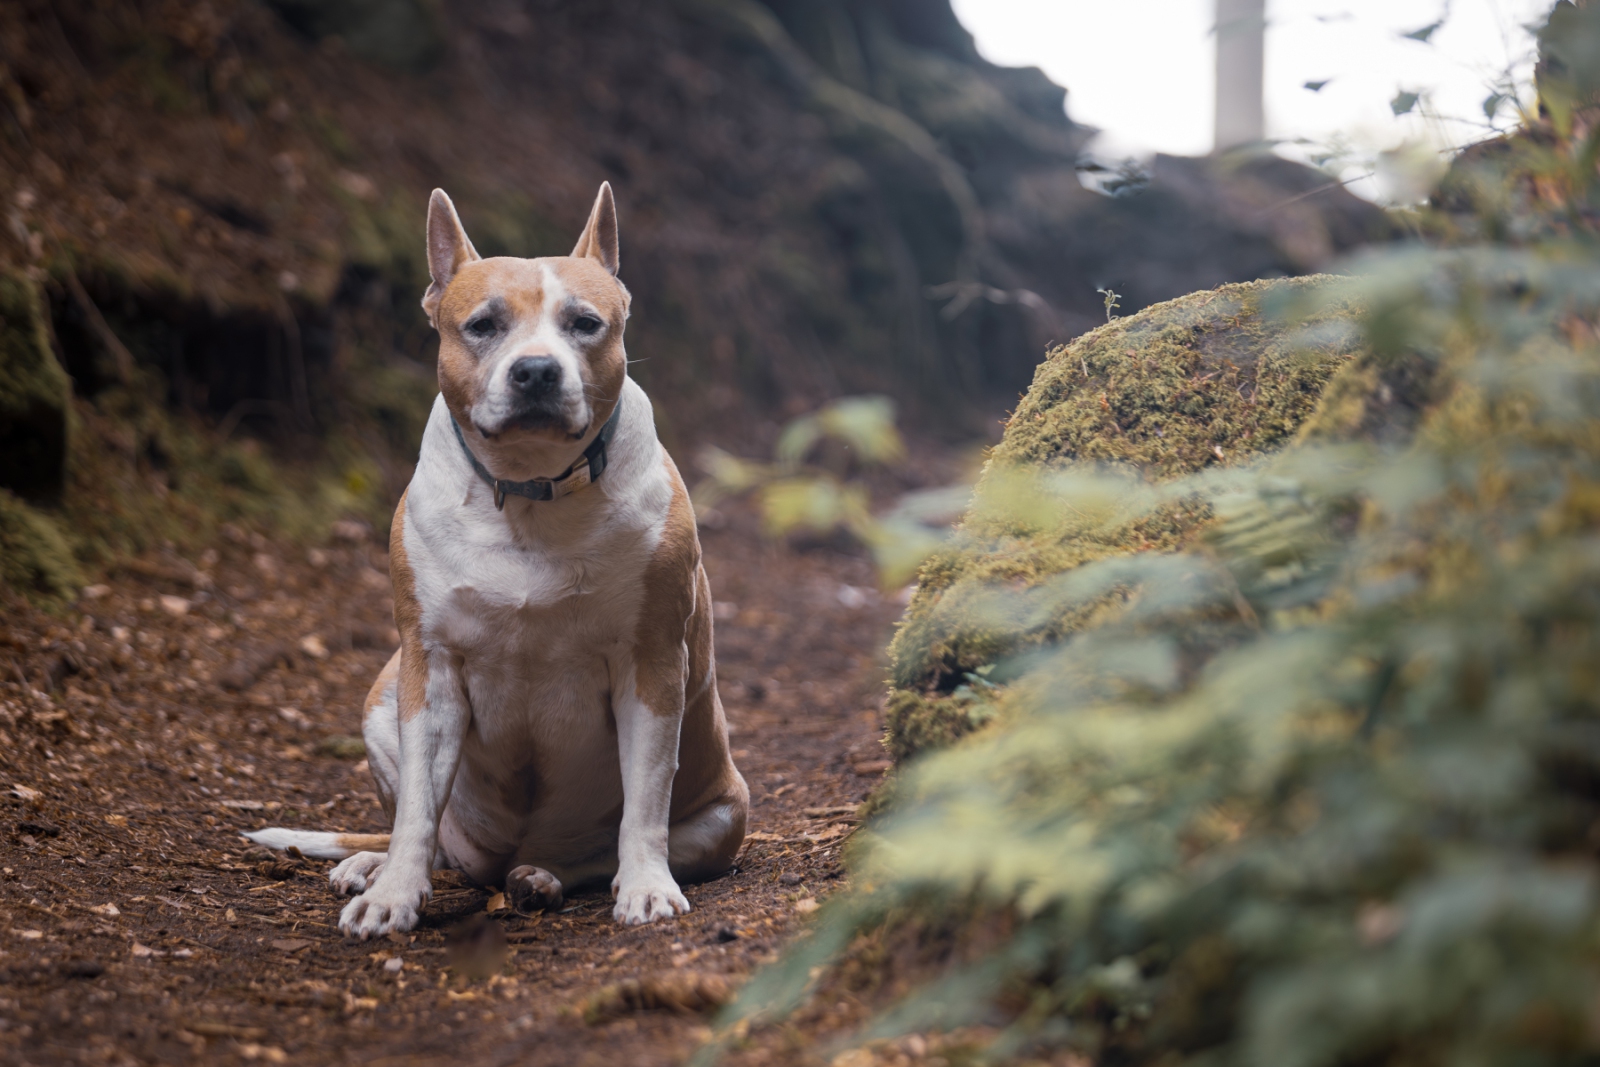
(137, 927)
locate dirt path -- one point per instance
(192, 699)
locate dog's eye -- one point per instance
(481, 327)
(586, 324)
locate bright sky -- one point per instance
(1142, 70)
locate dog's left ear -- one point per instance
(449, 250)
(599, 240)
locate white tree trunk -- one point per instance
(1241, 55)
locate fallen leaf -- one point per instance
(828, 833)
(806, 905)
(270, 1053)
(143, 952)
(291, 944)
(176, 606)
(762, 835)
(209, 1028)
(116, 820)
(680, 993)
(313, 646)
(496, 903)
(110, 911)
(22, 792)
(30, 935)
(868, 768)
(279, 870)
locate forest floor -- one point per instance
(188, 699)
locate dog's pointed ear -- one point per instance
(599, 240)
(449, 250)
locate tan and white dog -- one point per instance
(551, 717)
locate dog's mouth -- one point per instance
(541, 422)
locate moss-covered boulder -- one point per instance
(35, 395)
(1211, 379)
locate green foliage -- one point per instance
(812, 485)
(1569, 75)
(34, 556)
(862, 423)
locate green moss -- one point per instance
(35, 395)
(917, 722)
(35, 558)
(1210, 379)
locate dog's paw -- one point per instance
(531, 889)
(356, 873)
(383, 909)
(645, 901)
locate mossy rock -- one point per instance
(1211, 379)
(35, 559)
(35, 395)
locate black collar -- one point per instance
(588, 467)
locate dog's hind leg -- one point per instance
(380, 729)
(704, 844)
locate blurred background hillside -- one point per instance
(218, 207)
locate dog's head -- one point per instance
(530, 350)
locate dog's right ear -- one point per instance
(448, 250)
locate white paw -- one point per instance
(383, 909)
(646, 900)
(355, 873)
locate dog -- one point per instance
(551, 717)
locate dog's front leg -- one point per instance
(649, 717)
(433, 719)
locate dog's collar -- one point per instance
(588, 467)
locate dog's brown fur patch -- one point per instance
(384, 680)
(413, 688)
(669, 602)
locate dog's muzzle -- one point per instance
(535, 398)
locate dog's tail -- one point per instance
(318, 845)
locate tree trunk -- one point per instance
(1241, 53)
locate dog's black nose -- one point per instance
(535, 376)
